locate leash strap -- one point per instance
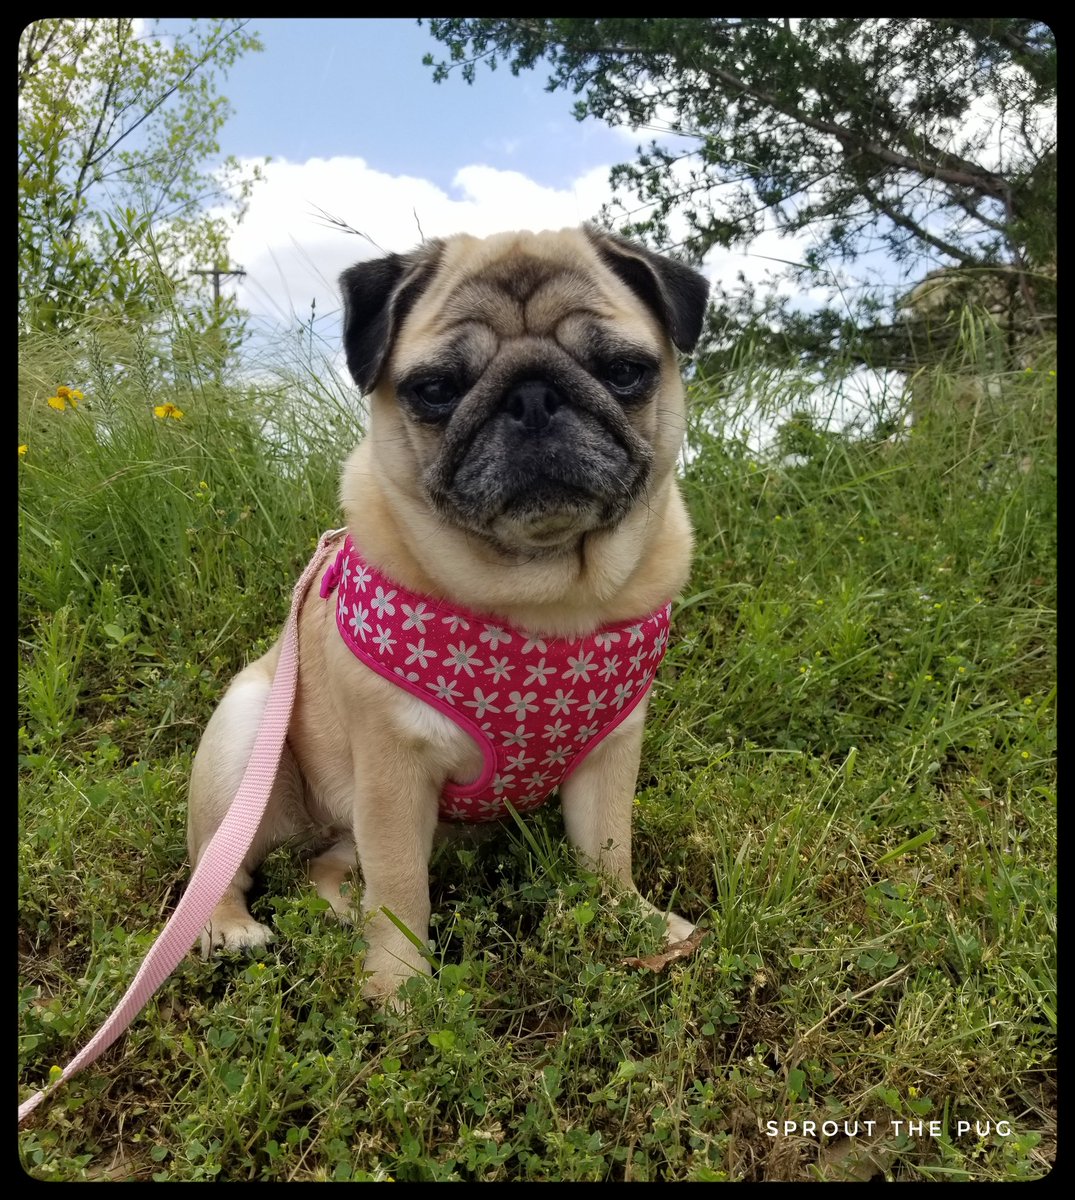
(226, 850)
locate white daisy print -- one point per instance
(556, 757)
(580, 667)
(636, 659)
(494, 635)
(419, 653)
(586, 732)
(659, 644)
(623, 694)
(416, 617)
(519, 738)
(539, 674)
(561, 702)
(534, 644)
(487, 808)
(556, 732)
(517, 762)
(605, 640)
(455, 623)
(458, 809)
(445, 690)
(594, 703)
(535, 781)
(410, 676)
(384, 641)
(358, 621)
(612, 665)
(501, 782)
(498, 668)
(482, 703)
(382, 602)
(521, 705)
(362, 577)
(463, 658)
(636, 634)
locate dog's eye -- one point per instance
(438, 395)
(624, 376)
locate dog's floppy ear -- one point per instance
(675, 293)
(377, 295)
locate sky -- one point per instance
(356, 128)
(357, 88)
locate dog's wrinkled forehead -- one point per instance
(515, 285)
(523, 294)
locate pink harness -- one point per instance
(535, 706)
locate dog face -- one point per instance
(524, 387)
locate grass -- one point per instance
(848, 778)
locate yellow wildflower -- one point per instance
(22, 451)
(168, 410)
(65, 396)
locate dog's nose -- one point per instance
(532, 403)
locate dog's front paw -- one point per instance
(382, 987)
(387, 969)
(678, 928)
(234, 933)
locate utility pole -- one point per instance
(216, 273)
(215, 334)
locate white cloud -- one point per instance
(292, 256)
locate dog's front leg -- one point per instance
(395, 818)
(597, 799)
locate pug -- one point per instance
(490, 627)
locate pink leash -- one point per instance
(225, 852)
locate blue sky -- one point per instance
(326, 87)
(356, 127)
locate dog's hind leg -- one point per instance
(331, 871)
(218, 770)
